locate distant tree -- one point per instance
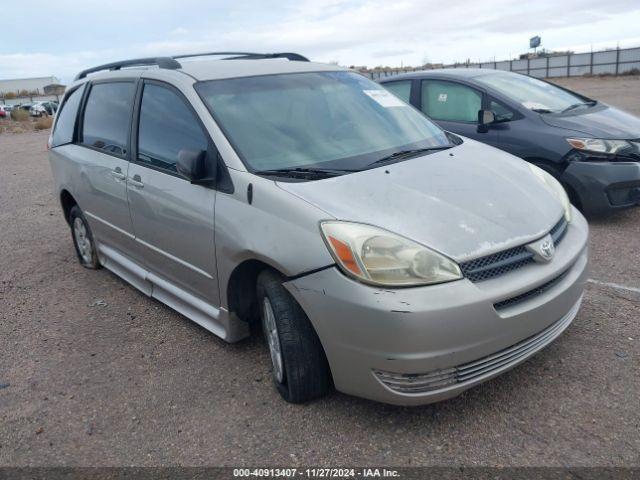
(9, 95)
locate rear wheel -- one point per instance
(83, 239)
(300, 369)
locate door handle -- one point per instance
(117, 173)
(136, 181)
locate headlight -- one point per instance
(379, 257)
(554, 186)
(596, 145)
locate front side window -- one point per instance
(66, 121)
(402, 89)
(166, 126)
(450, 101)
(328, 119)
(106, 116)
(531, 93)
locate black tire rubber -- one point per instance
(306, 371)
(76, 212)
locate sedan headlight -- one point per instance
(379, 257)
(597, 145)
(554, 187)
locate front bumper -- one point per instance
(604, 186)
(410, 332)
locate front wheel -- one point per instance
(83, 239)
(300, 369)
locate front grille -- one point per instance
(468, 372)
(534, 292)
(499, 263)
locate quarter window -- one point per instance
(66, 122)
(450, 101)
(402, 90)
(106, 116)
(167, 125)
(502, 113)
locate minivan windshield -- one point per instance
(531, 93)
(330, 120)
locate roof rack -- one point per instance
(295, 57)
(171, 63)
(162, 62)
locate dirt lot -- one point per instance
(623, 92)
(94, 373)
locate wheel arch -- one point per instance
(67, 202)
(241, 288)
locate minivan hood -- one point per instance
(465, 202)
(600, 121)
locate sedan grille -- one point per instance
(499, 263)
(471, 371)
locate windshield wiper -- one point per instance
(305, 172)
(591, 103)
(409, 153)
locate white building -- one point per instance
(29, 84)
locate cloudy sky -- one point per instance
(59, 38)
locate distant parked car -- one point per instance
(40, 109)
(591, 148)
(5, 111)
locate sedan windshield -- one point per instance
(330, 120)
(531, 93)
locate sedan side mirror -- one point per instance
(193, 166)
(485, 118)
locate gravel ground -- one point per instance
(94, 373)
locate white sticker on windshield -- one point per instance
(442, 97)
(535, 105)
(384, 98)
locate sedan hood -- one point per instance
(600, 121)
(464, 202)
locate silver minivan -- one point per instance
(381, 255)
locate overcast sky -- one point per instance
(60, 38)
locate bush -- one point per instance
(9, 95)
(19, 115)
(43, 123)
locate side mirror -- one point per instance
(193, 166)
(485, 117)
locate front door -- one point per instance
(173, 219)
(455, 106)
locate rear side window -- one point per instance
(167, 125)
(66, 122)
(402, 90)
(106, 116)
(450, 101)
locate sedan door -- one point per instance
(173, 219)
(455, 106)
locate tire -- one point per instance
(83, 239)
(304, 371)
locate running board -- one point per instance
(217, 320)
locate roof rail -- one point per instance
(296, 57)
(171, 63)
(162, 62)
